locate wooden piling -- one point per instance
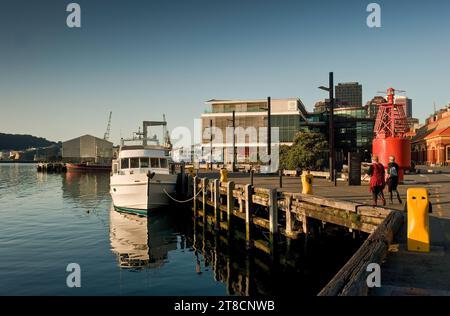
(195, 195)
(230, 202)
(289, 218)
(205, 191)
(273, 211)
(248, 215)
(216, 189)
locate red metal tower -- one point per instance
(390, 129)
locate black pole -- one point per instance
(234, 141)
(210, 144)
(269, 127)
(331, 128)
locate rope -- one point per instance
(178, 201)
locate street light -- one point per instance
(330, 89)
(234, 140)
(269, 127)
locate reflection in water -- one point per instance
(85, 187)
(141, 242)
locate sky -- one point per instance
(143, 59)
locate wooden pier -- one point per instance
(51, 167)
(224, 204)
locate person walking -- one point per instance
(377, 180)
(392, 178)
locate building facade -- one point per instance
(286, 114)
(87, 148)
(373, 105)
(430, 144)
(349, 93)
(406, 103)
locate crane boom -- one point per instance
(108, 127)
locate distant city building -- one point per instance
(350, 93)
(406, 103)
(323, 105)
(430, 143)
(87, 148)
(373, 105)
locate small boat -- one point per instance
(86, 166)
(142, 177)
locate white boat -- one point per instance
(132, 190)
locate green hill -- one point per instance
(22, 142)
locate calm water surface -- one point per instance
(50, 220)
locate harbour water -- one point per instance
(50, 220)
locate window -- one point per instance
(124, 163)
(134, 162)
(154, 162)
(144, 162)
(163, 162)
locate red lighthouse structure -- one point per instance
(390, 129)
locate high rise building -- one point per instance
(349, 93)
(373, 105)
(406, 103)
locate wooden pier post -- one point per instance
(273, 211)
(289, 219)
(216, 188)
(273, 218)
(205, 191)
(195, 195)
(280, 174)
(248, 215)
(230, 202)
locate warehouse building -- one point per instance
(87, 148)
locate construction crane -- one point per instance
(108, 128)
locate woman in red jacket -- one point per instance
(377, 180)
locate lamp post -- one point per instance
(269, 127)
(233, 120)
(210, 145)
(330, 89)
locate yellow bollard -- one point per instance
(307, 182)
(418, 220)
(223, 175)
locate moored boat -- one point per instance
(141, 177)
(86, 166)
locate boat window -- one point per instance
(124, 164)
(154, 162)
(115, 167)
(163, 162)
(134, 162)
(144, 162)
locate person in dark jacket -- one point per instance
(377, 180)
(392, 180)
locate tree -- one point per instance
(307, 152)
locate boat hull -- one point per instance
(133, 197)
(83, 167)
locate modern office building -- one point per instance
(406, 103)
(286, 114)
(349, 93)
(373, 105)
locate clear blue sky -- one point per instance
(141, 59)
